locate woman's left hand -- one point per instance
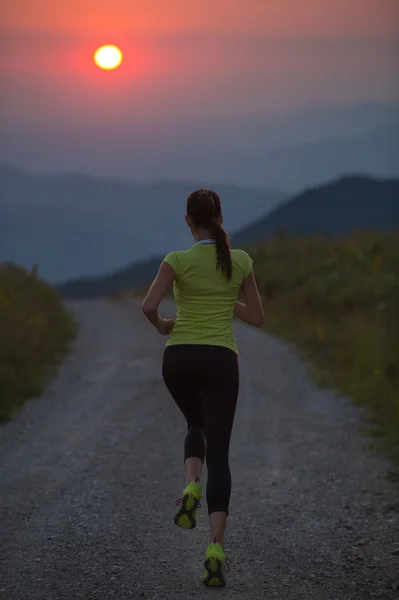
(165, 326)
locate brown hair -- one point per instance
(205, 209)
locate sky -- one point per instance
(188, 66)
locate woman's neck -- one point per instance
(202, 234)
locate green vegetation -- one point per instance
(35, 330)
(337, 300)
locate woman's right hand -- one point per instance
(251, 311)
(166, 326)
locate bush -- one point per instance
(35, 331)
(338, 301)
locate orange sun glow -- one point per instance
(108, 57)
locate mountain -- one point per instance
(337, 208)
(286, 150)
(136, 275)
(75, 225)
(261, 133)
(307, 163)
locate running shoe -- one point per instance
(216, 566)
(186, 517)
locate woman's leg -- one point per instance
(183, 380)
(219, 406)
(194, 453)
(194, 443)
(182, 377)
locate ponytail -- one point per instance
(223, 255)
(205, 209)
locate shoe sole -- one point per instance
(215, 577)
(185, 518)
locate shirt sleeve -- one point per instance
(247, 265)
(171, 259)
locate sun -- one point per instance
(108, 57)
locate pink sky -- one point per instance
(331, 18)
(186, 60)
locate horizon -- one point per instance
(329, 125)
(182, 182)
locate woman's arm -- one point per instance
(157, 292)
(240, 311)
(250, 311)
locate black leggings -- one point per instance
(204, 381)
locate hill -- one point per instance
(75, 225)
(334, 209)
(338, 208)
(282, 149)
(303, 164)
(136, 275)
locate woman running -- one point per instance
(200, 363)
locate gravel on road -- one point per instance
(89, 474)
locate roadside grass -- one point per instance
(35, 331)
(337, 301)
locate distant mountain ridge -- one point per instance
(337, 208)
(340, 207)
(75, 225)
(374, 152)
(133, 276)
(284, 150)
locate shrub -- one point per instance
(35, 331)
(338, 301)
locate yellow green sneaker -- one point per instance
(215, 566)
(186, 517)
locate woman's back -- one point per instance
(204, 296)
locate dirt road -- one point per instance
(90, 472)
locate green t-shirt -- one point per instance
(204, 297)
